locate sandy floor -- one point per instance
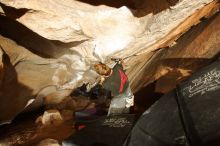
(25, 132)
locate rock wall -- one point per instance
(169, 66)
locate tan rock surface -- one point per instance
(50, 118)
(109, 30)
(27, 77)
(169, 66)
(48, 142)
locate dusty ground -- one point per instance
(25, 132)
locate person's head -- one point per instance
(102, 69)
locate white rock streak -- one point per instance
(161, 25)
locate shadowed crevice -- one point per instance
(13, 12)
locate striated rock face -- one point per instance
(26, 78)
(48, 47)
(107, 29)
(48, 142)
(169, 66)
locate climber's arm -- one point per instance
(100, 80)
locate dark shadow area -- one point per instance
(32, 41)
(24, 131)
(148, 95)
(146, 7)
(195, 31)
(99, 144)
(98, 95)
(66, 46)
(189, 63)
(172, 2)
(212, 140)
(145, 98)
(27, 120)
(12, 12)
(177, 71)
(13, 95)
(111, 3)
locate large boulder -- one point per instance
(28, 80)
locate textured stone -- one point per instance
(109, 30)
(169, 66)
(27, 77)
(48, 142)
(50, 118)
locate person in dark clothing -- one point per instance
(116, 81)
(93, 128)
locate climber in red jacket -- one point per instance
(116, 81)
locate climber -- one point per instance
(116, 81)
(99, 129)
